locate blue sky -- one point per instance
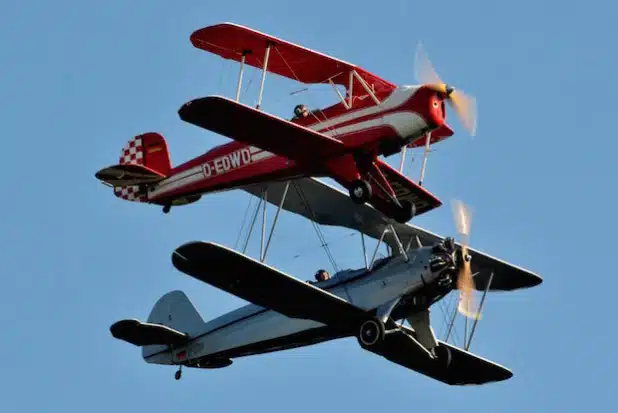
(77, 81)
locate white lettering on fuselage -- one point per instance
(227, 162)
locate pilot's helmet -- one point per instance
(321, 275)
(299, 109)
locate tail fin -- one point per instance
(174, 310)
(144, 160)
(149, 150)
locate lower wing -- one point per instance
(453, 366)
(254, 127)
(404, 189)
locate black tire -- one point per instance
(178, 375)
(166, 209)
(444, 356)
(405, 213)
(360, 191)
(371, 333)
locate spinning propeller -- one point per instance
(464, 105)
(465, 282)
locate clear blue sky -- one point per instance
(77, 81)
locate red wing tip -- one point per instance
(195, 37)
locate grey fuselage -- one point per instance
(252, 329)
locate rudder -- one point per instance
(149, 150)
(176, 311)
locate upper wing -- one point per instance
(327, 205)
(286, 59)
(128, 175)
(254, 127)
(464, 368)
(261, 284)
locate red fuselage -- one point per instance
(405, 114)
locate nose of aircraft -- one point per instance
(429, 103)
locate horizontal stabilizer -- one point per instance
(464, 368)
(145, 334)
(262, 285)
(128, 175)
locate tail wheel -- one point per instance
(405, 213)
(371, 333)
(360, 191)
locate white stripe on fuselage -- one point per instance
(236, 329)
(404, 123)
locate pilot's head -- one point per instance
(301, 111)
(321, 275)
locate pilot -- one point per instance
(301, 111)
(321, 275)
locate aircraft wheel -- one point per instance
(406, 213)
(444, 355)
(166, 209)
(178, 375)
(371, 333)
(360, 191)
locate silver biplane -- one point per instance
(285, 312)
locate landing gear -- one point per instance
(360, 191)
(405, 213)
(371, 333)
(178, 374)
(166, 209)
(443, 355)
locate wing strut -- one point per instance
(373, 259)
(468, 338)
(476, 320)
(272, 229)
(264, 69)
(364, 250)
(425, 155)
(242, 68)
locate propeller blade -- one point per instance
(465, 282)
(463, 104)
(465, 107)
(424, 71)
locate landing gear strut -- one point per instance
(360, 191)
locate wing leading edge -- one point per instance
(262, 285)
(330, 206)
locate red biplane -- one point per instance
(343, 142)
